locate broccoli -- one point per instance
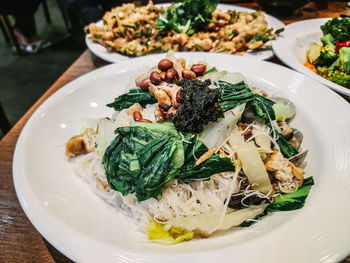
(344, 57)
(335, 75)
(327, 57)
(340, 78)
(338, 28)
(328, 41)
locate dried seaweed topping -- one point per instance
(200, 106)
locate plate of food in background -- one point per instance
(319, 48)
(129, 31)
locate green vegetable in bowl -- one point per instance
(332, 59)
(338, 28)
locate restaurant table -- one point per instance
(19, 240)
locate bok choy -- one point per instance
(144, 157)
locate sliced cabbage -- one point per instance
(262, 138)
(211, 223)
(214, 76)
(87, 123)
(264, 142)
(232, 77)
(105, 135)
(284, 109)
(313, 52)
(216, 133)
(254, 167)
(157, 234)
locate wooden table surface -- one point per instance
(19, 240)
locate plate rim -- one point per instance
(90, 44)
(69, 86)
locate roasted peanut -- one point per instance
(165, 64)
(188, 74)
(145, 84)
(178, 95)
(199, 69)
(170, 75)
(156, 78)
(162, 74)
(137, 116)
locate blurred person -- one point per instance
(24, 29)
(90, 11)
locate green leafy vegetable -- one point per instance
(286, 202)
(200, 106)
(286, 148)
(190, 172)
(294, 200)
(144, 157)
(142, 160)
(188, 16)
(130, 98)
(203, 171)
(236, 94)
(233, 94)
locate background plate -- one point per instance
(291, 46)
(86, 229)
(113, 57)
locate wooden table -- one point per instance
(19, 241)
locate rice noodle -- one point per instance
(178, 199)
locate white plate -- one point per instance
(113, 57)
(86, 229)
(291, 46)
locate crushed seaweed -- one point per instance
(200, 106)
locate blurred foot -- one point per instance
(20, 37)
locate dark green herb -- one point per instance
(98, 36)
(128, 99)
(188, 16)
(200, 106)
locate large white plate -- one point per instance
(86, 229)
(291, 46)
(113, 57)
